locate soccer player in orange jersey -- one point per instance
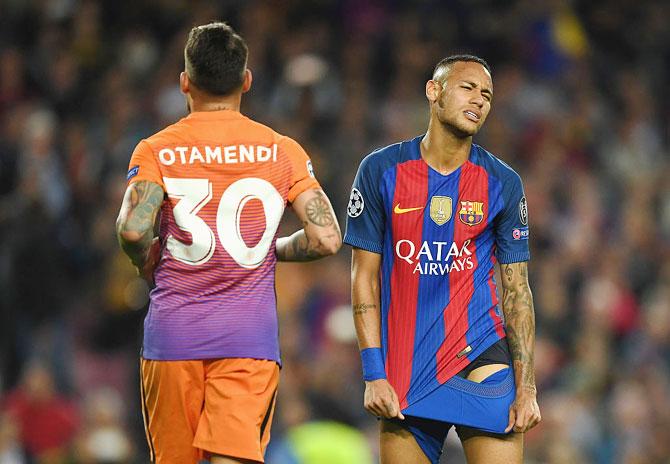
(215, 185)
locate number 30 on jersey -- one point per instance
(194, 194)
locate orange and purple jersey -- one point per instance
(227, 180)
(439, 237)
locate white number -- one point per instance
(230, 212)
(193, 194)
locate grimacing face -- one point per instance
(461, 97)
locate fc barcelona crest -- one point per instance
(440, 209)
(471, 213)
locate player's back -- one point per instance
(227, 180)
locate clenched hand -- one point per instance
(381, 400)
(524, 414)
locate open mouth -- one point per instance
(472, 116)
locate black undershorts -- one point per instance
(498, 353)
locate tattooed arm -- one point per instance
(365, 297)
(380, 398)
(520, 326)
(135, 225)
(320, 235)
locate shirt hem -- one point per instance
(167, 356)
(509, 258)
(367, 245)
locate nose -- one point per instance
(477, 99)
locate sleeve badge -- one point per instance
(356, 203)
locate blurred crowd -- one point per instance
(580, 111)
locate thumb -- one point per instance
(396, 404)
(399, 413)
(512, 419)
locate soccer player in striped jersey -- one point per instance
(216, 185)
(428, 219)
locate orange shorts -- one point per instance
(193, 409)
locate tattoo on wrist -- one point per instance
(362, 308)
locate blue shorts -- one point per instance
(460, 402)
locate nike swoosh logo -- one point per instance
(399, 210)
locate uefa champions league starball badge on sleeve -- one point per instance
(356, 203)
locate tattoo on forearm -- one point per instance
(509, 273)
(519, 321)
(145, 201)
(362, 308)
(303, 247)
(141, 206)
(300, 249)
(296, 248)
(318, 211)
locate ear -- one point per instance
(433, 89)
(248, 78)
(184, 83)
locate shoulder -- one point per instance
(267, 134)
(381, 159)
(496, 167)
(264, 132)
(287, 143)
(174, 133)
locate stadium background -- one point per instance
(580, 110)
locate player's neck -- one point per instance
(231, 102)
(443, 150)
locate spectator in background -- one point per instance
(104, 438)
(11, 451)
(46, 420)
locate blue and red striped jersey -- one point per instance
(440, 237)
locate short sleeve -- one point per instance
(365, 211)
(302, 172)
(143, 165)
(511, 226)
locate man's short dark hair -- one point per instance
(216, 58)
(448, 61)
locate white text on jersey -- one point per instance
(436, 256)
(230, 154)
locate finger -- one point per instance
(536, 420)
(394, 410)
(386, 408)
(396, 404)
(371, 407)
(512, 419)
(529, 421)
(521, 421)
(390, 409)
(373, 410)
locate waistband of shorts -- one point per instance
(485, 390)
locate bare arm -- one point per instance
(520, 324)
(365, 297)
(380, 399)
(519, 321)
(135, 224)
(320, 235)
